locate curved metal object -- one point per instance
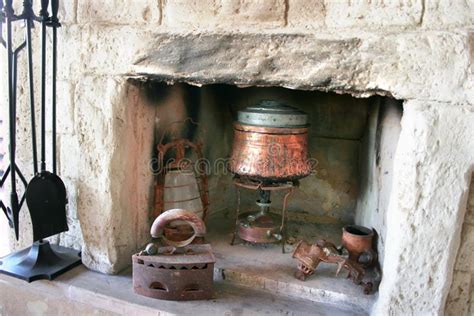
(174, 215)
(259, 228)
(309, 256)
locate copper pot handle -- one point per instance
(188, 217)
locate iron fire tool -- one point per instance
(180, 271)
(46, 193)
(12, 211)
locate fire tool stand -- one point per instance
(45, 194)
(266, 230)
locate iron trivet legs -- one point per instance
(262, 227)
(40, 261)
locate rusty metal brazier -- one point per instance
(271, 143)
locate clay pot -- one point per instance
(358, 241)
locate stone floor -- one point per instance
(267, 268)
(83, 292)
(249, 280)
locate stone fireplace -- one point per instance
(389, 90)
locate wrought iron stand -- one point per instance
(268, 230)
(40, 261)
(47, 194)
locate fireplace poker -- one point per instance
(29, 16)
(13, 210)
(7, 16)
(54, 23)
(14, 77)
(44, 18)
(4, 44)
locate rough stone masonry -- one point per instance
(419, 51)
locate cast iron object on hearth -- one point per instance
(45, 194)
(190, 218)
(309, 256)
(175, 273)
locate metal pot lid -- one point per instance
(271, 113)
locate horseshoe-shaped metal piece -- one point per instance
(188, 217)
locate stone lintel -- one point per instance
(406, 65)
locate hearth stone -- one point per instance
(82, 291)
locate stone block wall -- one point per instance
(274, 14)
(461, 296)
(418, 51)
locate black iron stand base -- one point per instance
(40, 261)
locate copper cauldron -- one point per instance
(271, 143)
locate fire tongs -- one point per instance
(7, 17)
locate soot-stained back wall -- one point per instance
(338, 123)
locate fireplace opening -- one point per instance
(351, 143)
